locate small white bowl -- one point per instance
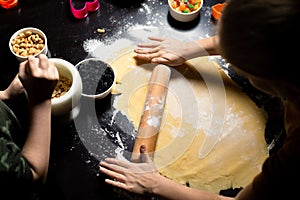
(184, 17)
(98, 78)
(27, 42)
(66, 107)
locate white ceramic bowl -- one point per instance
(25, 43)
(184, 17)
(98, 78)
(67, 106)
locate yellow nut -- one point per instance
(28, 33)
(101, 30)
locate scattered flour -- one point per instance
(106, 52)
(91, 44)
(156, 24)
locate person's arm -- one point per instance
(174, 52)
(14, 89)
(168, 189)
(210, 45)
(36, 149)
(39, 77)
(143, 178)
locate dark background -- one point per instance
(73, 172)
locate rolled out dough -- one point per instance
(202, 107)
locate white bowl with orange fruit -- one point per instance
(185, 10)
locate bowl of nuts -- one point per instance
(28, 41)
(65, 102)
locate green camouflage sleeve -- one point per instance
(13, 167)
(12, 164)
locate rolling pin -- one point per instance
(152, 114)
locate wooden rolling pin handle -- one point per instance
(153, 111)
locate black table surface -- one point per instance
(77, 146)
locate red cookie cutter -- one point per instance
(83, 12)
(7, 4)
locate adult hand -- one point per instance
(14, 89)
(169, 51)
(139, 178)
(39, 77)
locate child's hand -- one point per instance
(135, 177)
(39, 77)
(168, 51)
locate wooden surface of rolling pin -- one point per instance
(152, 114)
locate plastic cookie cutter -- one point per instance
(89, 6)
(7, 4)
(217, 10)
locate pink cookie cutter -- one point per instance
(83, 12)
